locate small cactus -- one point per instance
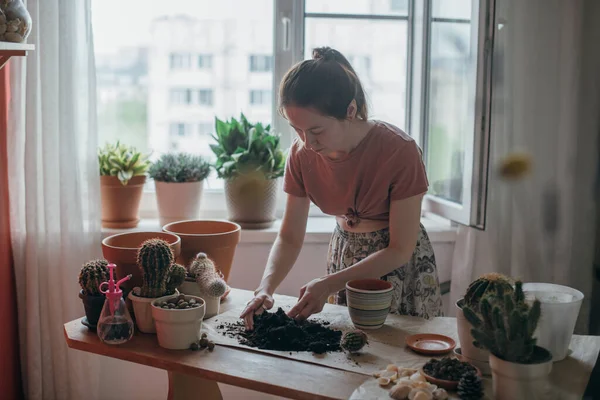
(155, 259)
(176, 278)
(353, 341)
(488, 283)
(91, 275)
(202, 268)
(506, 325)
(216, 288)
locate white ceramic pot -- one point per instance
(560, 308)
(178, 201)
(213, 304)
(469, 351)
(178, 329)
(511, 381)
(143, 313)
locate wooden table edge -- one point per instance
(228, 379)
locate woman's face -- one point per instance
(326, 136)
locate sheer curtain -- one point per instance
(545, 101)
(54, 194)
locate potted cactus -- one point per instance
(179, 180)
(504, 325)
(122, 178)
(91, 275)
(250, 161)
(160, 277)
(178, 320)
(203, 280)
(479, 288)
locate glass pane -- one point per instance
(376, 7)
(449, 122)
(451, 9)
(162, 81)
(378, 55)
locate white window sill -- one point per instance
(318, 230)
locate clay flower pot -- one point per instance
(93, 307)
(120, 204)
(177, 329)
(178, 201)
(369, 302)
(122, 249)
(252, 202)
(218, 239)
(474, 355)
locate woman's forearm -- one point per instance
(281, 259)
(374, 266)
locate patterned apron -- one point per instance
(416, 284)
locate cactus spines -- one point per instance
(216, 287)
(506, 325)
(202, 268)
(488, 283)
(91, 275)
(353, 341)
(176, 278)
(155, 258)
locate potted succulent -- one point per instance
(160, 276)
(203, 280)
(91, 275)
(250, 161)
(178, 320)
(179, 179)
(485, 284)
(122, 178)
(504, 325)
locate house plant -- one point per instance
(505, 327)
(178, 320)
(179, 179)
(479, 288)
(122, 178)
(161, 277)
(91, 275)
(203, 280)
(250, 161)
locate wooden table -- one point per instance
(194, 375)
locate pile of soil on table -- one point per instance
(277, 331)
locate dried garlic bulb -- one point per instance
(419, 394)
(440, 394)
(400, 392)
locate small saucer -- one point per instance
(85, 322)
(430, 343)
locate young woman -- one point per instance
(369, 175)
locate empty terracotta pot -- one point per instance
(120, 204)
(121, 249)
(218, 239)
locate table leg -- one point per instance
(186, 387)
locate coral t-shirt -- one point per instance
(386, 165)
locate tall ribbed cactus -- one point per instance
(91, 275)
(176, 278)
(506, 325)
(155, 259)
(485, 284)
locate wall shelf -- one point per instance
(8, 50)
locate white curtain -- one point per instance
(54, 194)
(545, 102)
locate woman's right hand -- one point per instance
(261, 302)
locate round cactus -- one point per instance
(176, 278)
(485, 284)
(353, 341)
(216, 287)
(91, 275)
(203, 269)
(155, 258)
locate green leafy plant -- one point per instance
(122, 161)
(91, 275)
(180, 167)
(244, 148)
(506, 325)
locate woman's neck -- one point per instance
(357, 131)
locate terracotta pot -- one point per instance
(218, 239)
(252, 202)
(120, 204)
(121, 249)
(178, 201)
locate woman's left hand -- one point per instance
(313, 297)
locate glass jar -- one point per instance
(17, 25)
(115, 325)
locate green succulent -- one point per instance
(180, 167)
(122, 161)
(244, 148)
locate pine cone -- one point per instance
(470, 387)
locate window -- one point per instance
(260, 97)
(260, 63)
(420, 61)
(205, 61)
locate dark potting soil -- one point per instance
(277, 331)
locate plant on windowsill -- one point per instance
(250, 161)
(122, 178)
(504, 325)
(179, 180)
